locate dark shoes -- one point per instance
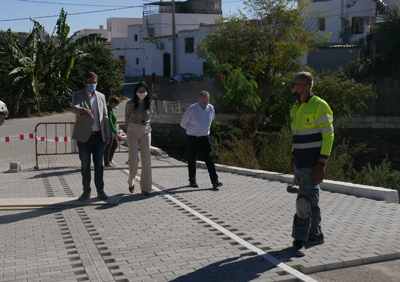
(102, 196)
(216, 184)
(315, 240)
(145, 193)
(193, 184)
(299, 248)
(85, 196)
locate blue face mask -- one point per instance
(91, 87)
(116, 107)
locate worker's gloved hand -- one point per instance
(292, 164)
(319, 172)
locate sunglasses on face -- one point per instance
(294, 84)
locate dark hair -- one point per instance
(114, 100)
(89, 74)
(135, 98)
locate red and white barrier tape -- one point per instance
(19, 137)
(31, 136)
(55, 139)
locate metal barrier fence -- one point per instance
(54, 138)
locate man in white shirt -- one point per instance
(197, 122)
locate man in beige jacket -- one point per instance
(92, 133)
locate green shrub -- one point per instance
(340, 163)
(236, 152)
(380, 176)
(275, 150)
(356, 70)
(271, 151)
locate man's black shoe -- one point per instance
(193, 184)
(102, 196)
(85, 196)
(216, 184)
(298, 248)
(315, 240)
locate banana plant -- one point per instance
(41, 65)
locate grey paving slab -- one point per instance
(154, 239)
(262, 211)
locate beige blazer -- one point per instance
(83, 125)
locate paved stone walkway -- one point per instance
(177, 233)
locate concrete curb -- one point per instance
(364, 191)
(157, 151)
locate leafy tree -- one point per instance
(266, 43)
(40, 66)
(101, 61)
(388, 30)
(344, 96)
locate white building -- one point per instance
(359, 13)
(118, 33)
(158, 54)
(104, 32)
(149, 44)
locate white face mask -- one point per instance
(116, 107)
(141, 95)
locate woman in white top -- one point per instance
(137, 119)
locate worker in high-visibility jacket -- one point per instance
(312, 129)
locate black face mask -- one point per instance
(296, 95)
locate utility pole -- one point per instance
(174, 59)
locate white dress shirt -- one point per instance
(93, 103)
(196, 121)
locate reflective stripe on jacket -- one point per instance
(312, 129)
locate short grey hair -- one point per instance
(203, 93)
(304, 76)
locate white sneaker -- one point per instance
(114, 163)
(109, 165)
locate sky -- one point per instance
(15, 14)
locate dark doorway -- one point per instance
(167, 64)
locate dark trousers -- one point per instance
(109, 150)
(203, 144)
(95, 146)
(308, 189)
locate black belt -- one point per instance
(95, 132)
